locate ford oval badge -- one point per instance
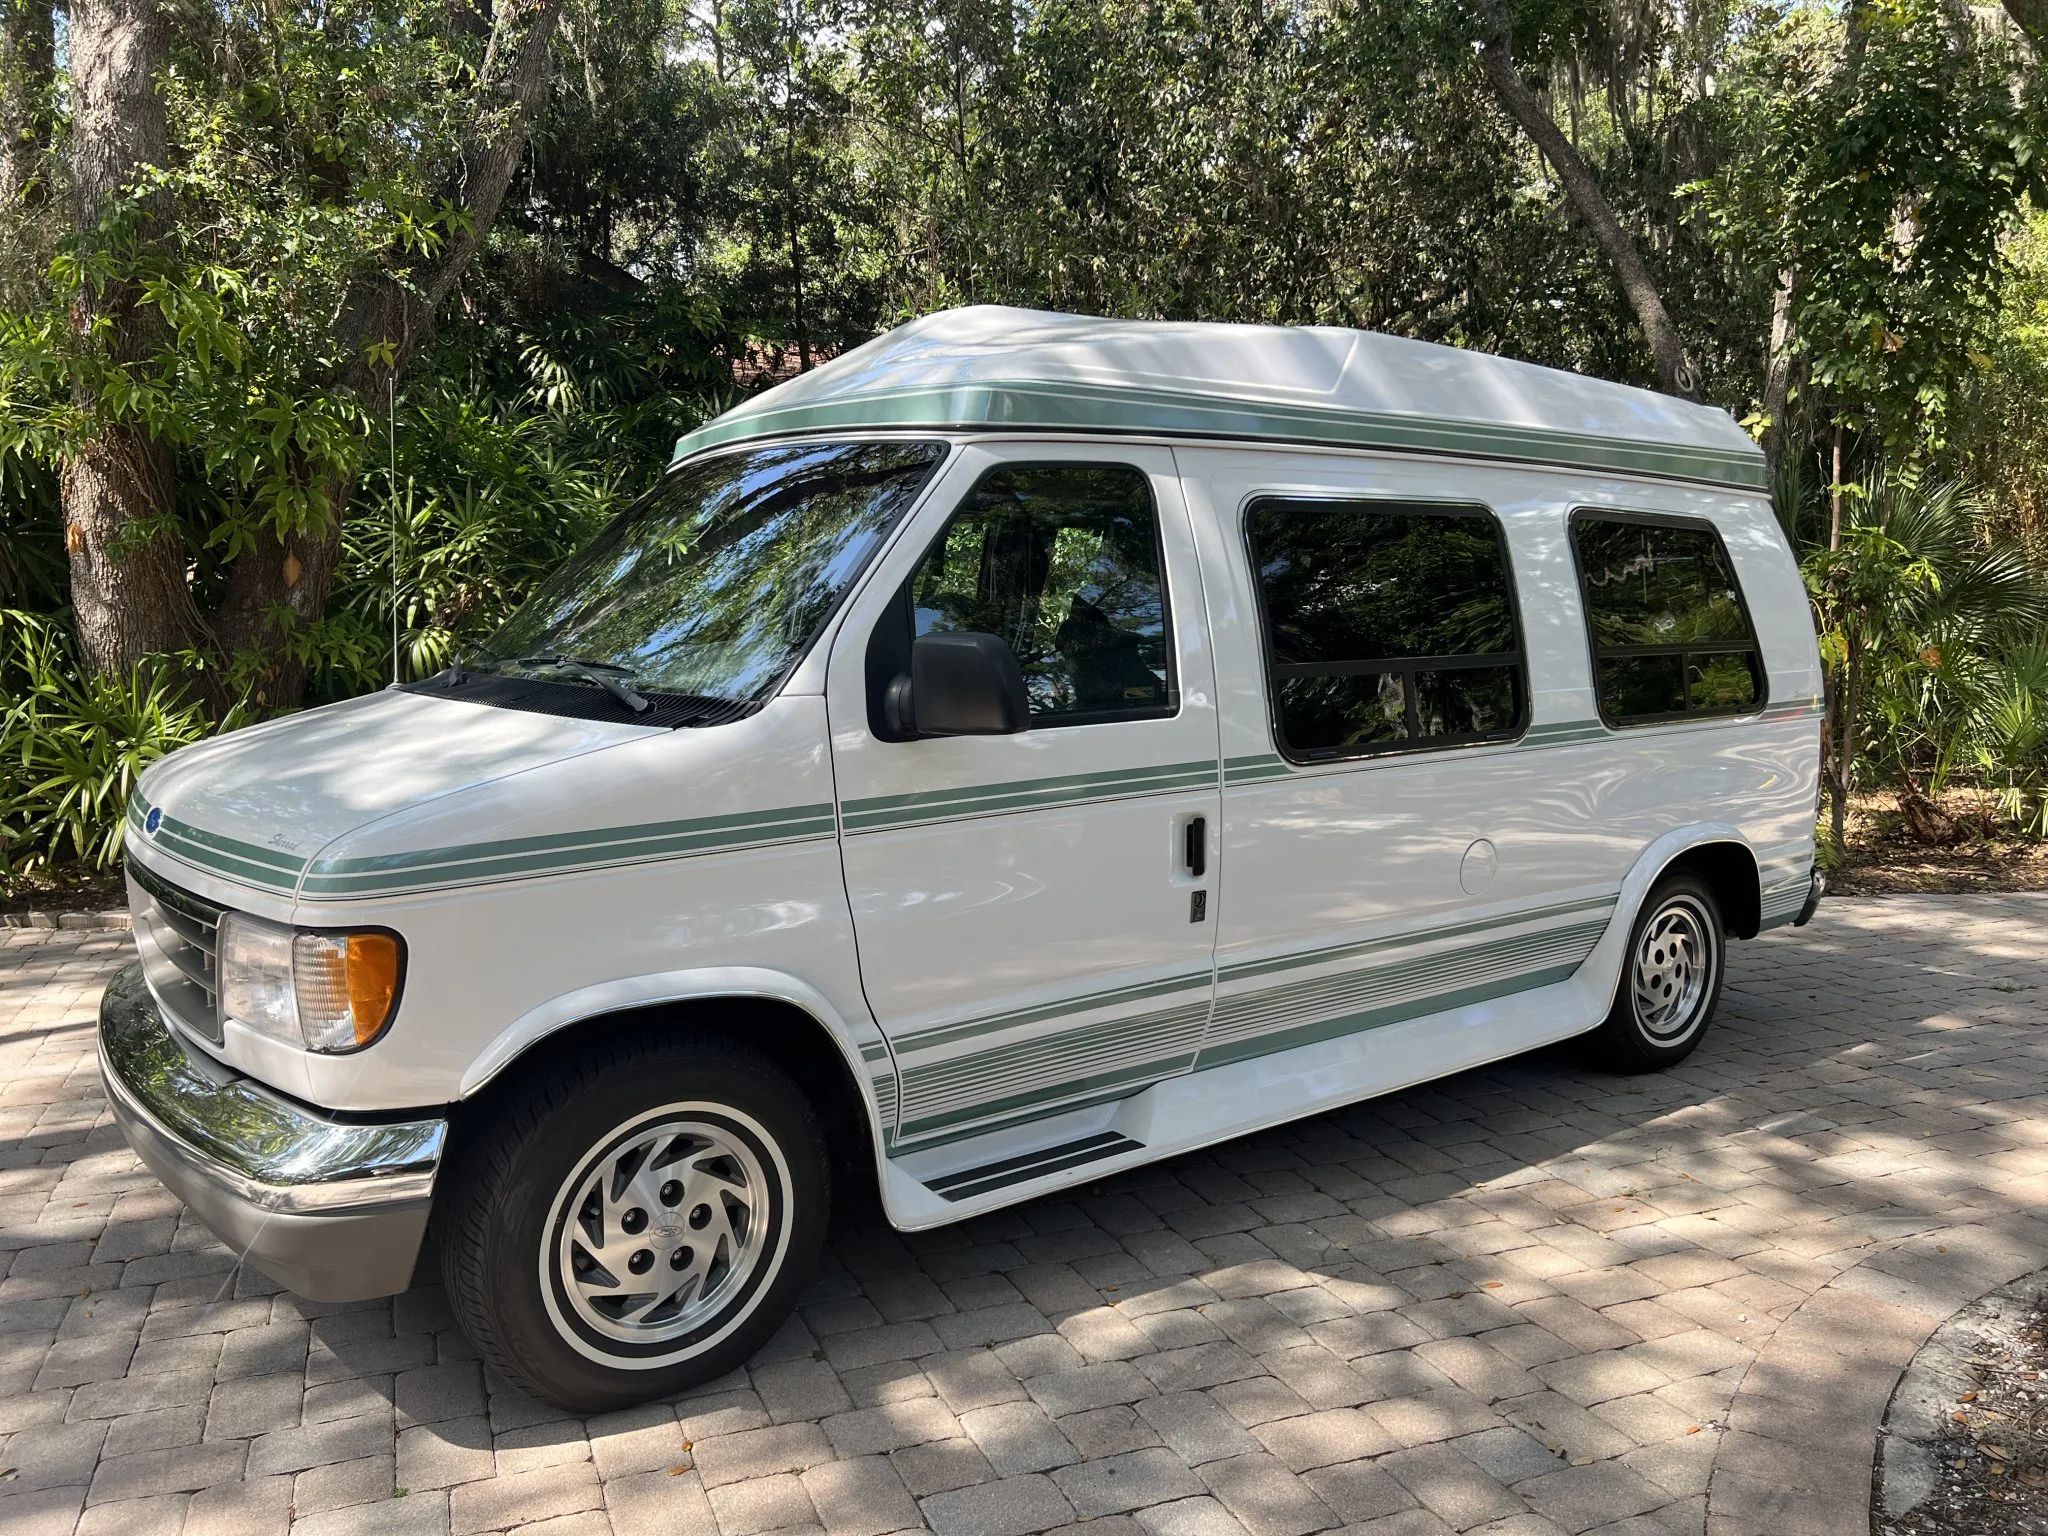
(153, 820)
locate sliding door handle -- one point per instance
(1195, 854)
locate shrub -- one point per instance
(72, 747)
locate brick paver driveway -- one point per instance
(1526, 1300)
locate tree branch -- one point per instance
(397, 305)
(2031, 17)
(1674, 372)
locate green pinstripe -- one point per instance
(886, 812)
(1035, 404)
(561, 852)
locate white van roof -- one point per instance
(996, 368)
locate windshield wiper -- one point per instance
(608, 675)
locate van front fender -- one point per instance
(862, 1049)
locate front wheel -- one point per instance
(636, 1222)
(1670, 978)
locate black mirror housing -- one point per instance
(965, 684)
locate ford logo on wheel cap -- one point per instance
(153, 820)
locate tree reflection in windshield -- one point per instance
(714, 584)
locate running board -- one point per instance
(967, 1183)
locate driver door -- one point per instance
(1035, 912)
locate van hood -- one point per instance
(256, 806)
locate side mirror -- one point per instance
(960, 685)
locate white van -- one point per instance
(1025, 747)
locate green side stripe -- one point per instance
(1299, 958)
(738, 823)
(1257, 1014)
(493, 866)
(1094, 407)
(1378, 1018)
(1020, 794)
(247, 853)
(229, 865)
(1060, 781)
(1027, 800)
(1087, 1002)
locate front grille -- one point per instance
(177, 933)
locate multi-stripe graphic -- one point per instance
(1004, 1172)
(267, 868)
(1376, 982)
(1023, 1063)
(557, 853)
(467, 863)
(1037, 404)
(979, 1074)
(887, 812)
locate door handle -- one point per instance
(1195, 852)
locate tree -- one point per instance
(266, 225)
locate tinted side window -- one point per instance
(1670, 634)
(1062, 561)
(1388, 627)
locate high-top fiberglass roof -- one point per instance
(994, 368)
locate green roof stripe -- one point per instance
(997, 404)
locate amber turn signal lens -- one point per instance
(346, 985)
(372, 982)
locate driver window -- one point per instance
(1062, 562)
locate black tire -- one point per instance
(507, 1203)
(1636, 1036)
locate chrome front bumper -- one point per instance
(332, 1209)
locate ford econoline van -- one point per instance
(1023, 748)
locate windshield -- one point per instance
(716, 582)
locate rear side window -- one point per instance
(1671, 637)
(1389, 627)
(1063, 562)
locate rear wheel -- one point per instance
(1670, 978)
(636, 1223)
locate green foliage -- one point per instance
(716, 195)
(72, 747)
(1934, 628)
(308, 148)
(1999, 427)
(1887, 169)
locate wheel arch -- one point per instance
(785, 1018)
(1731, 872)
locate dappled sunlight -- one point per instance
(1582, 1295)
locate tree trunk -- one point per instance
(2031, 17)
(128, 586)
(282, 585)
(27, 81)
(1674, 372)
(1778, 369)
(1845, 737)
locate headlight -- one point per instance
(328, 992)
